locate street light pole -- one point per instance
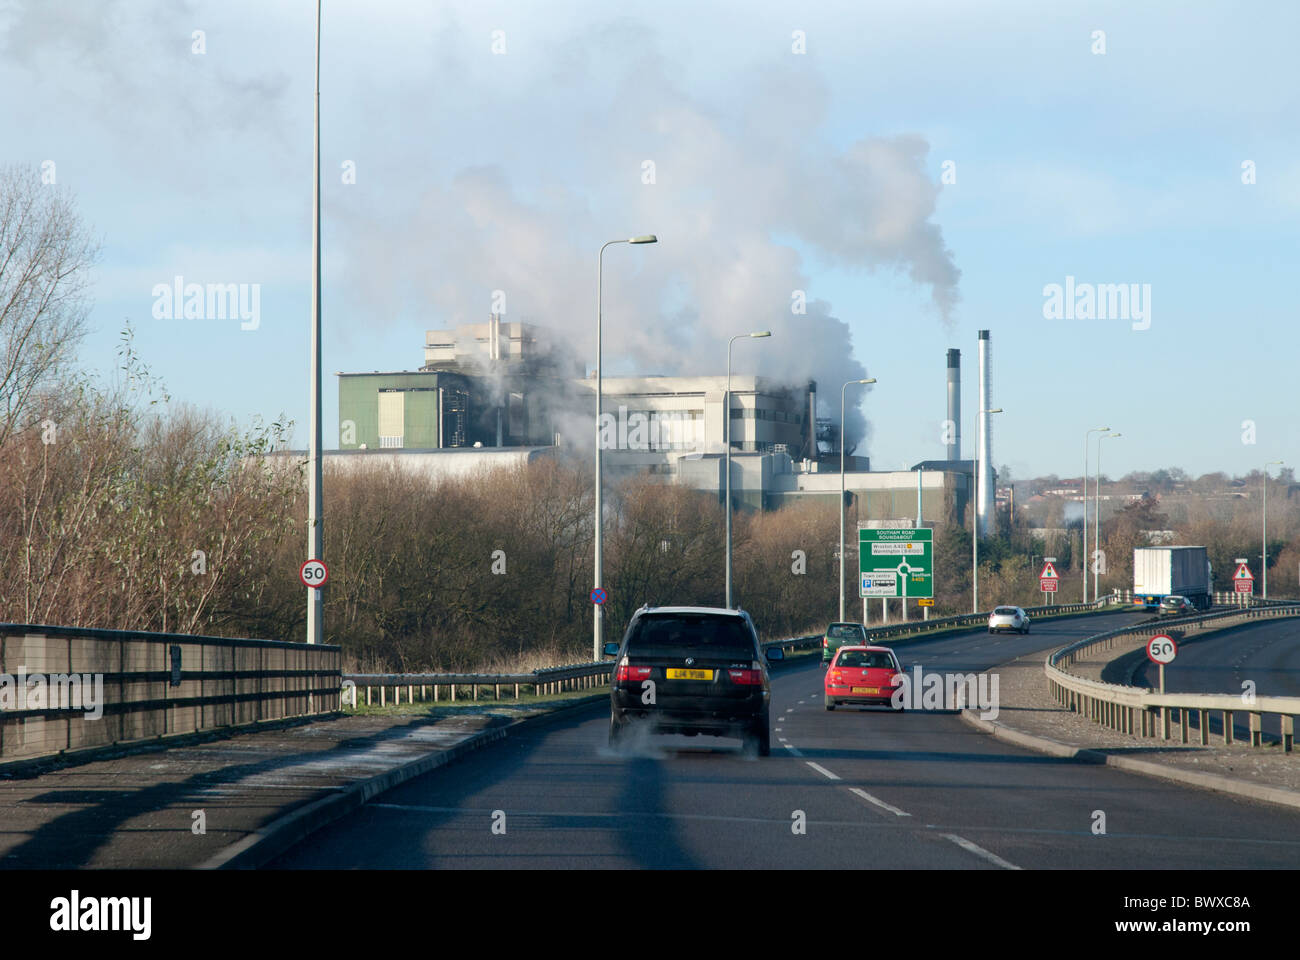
(975, 527)
(315, 538)
(1083, 547)
(726, 431)
(842, 390)
(598, 614)
(1263, 499)
(1096, 516)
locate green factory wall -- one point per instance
(359, 404)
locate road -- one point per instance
(1266, 652)
(873, 788)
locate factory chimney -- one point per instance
(812, 422)
(954, 405)
(987, 517)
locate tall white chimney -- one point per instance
(987, 516)
(954, 404)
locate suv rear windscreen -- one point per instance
(683, 635)
(844, 631)
(1005, 611)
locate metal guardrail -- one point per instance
(1142, 711)
(548, 680)
(577, 676)
(977, 619)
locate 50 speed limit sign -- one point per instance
(314, 573)
(1162, 649)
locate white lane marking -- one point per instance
(793, 750)
(979, 851)
(822, 770)
(777, 729)
(782, 739)
(880, 803)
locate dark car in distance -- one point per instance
(692, 670)
(842, 634)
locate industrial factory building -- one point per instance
(502, 391)
(502, 385)
(493, 384)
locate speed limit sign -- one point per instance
(314, 573)
(1162, 649)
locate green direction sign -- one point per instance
(896, 562)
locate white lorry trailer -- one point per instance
(1160, 572)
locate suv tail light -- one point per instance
(628, 674)
(752, 677)
(837, 675)
(825, 642)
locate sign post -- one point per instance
(1048, 579)
(896, 562)
(1162, 649)
(1243, 581)
(314, 573)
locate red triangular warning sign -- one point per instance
(1243, 573)
(1049, 572)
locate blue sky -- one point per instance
(775, 171)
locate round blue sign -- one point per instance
(598, 595)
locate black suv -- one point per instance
(692, 670)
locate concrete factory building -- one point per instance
(500, 387)
(501, 384)
(492, 384)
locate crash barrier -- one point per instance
(65, 688)
(1221, 598)
(1140, 711)
(383, 688)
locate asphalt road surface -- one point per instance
(1266, 653)
(853, 788)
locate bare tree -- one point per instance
(45, 255)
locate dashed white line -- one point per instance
(793, 750)
(822, 770)
(979, 851)
(880, 803)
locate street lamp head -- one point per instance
(648, 238)
(994, 410)
(1112, 436)
(868, 380)
(761, 333)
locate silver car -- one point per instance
(1009, 618)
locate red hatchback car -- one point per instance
(864, 675)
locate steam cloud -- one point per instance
(737, 203)
(749, 182)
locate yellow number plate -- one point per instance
(866, 689)
(677, 673)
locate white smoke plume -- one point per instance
(737, 201)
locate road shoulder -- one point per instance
(1030, 718)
